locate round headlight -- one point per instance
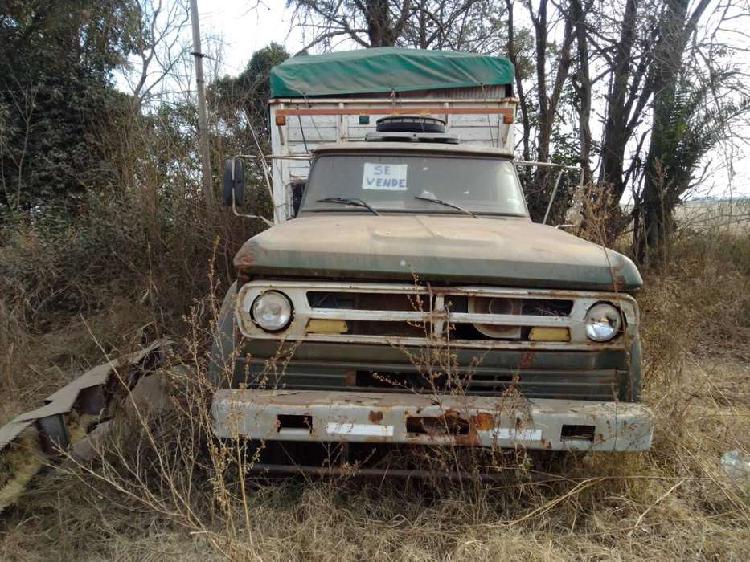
(602, 322)
(272, 311)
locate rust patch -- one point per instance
(483, 421)
(375, 416)
(244, 259)
(619, 282)
(470, 440)
(449, 424)
(527, 359)
(350, 378)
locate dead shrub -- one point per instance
(164, 486)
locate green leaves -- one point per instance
(56, 97)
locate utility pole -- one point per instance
(208, 190)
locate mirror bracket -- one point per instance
(234, 188)
(248, 216)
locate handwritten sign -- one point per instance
(385, 177)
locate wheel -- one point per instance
(409, 124)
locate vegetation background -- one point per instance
(106, 241)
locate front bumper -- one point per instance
(409, 418)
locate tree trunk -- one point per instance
(522, 101)
(544, 176)
(540, 36)
(379, 28)
(661, 189)
(422, 27)
(615, 129)
(583, 89)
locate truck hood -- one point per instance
(499, 251)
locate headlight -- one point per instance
(272, 311)
(602, 322)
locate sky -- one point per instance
(243, 28)
(240, 27)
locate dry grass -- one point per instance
(160, 494)
(36, 364)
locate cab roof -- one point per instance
(435, 148)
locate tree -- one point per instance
(582, 83)
(56, 96)
(642, 49)
(241, 106)
(514, 55)
(425, 24)
(548, 100)
(246, 96)
(691, 112)
(628, 58)
(458, 25)
(369, 23)
(158, 45)
(674, 30)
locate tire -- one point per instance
(409, 124)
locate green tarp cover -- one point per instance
(385, 69)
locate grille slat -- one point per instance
(597, 384)
(567, 392)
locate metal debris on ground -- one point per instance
(736, 465)
(72, 419)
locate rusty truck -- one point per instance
(403, 296)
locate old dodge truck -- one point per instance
(403, 295)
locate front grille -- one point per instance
(420, 314)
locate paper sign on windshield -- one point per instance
(385, 177)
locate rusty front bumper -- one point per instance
(320, 416)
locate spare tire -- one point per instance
(409, 124)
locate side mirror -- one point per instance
(234, 182)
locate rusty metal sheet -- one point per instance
(62, 401)
(12, 430)
(100, 373)
(49, 425)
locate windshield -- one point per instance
(405, 183)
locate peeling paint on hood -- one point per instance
(499, 251)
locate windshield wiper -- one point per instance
(354, 202)
(446, 204)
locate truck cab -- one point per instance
(407, 299)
